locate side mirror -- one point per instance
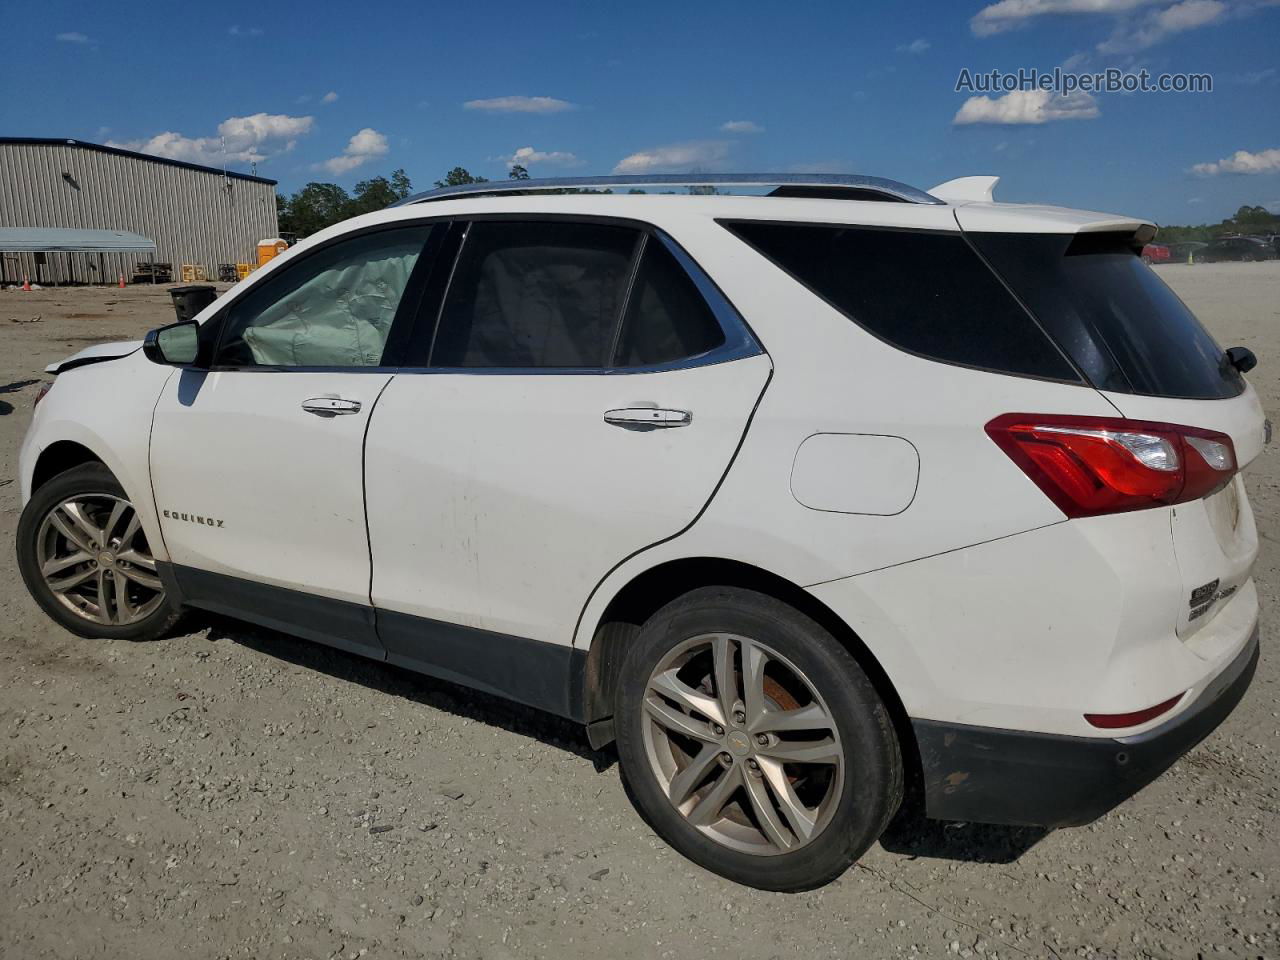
(177, 345)
(1242, 359)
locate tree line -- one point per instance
(319, 205)
(1247, 220)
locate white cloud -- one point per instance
(330, 97)
(527, 157)
(693, 157)
(520, 105)
(240, 140)
(364, 146)
(73, 36)
(1255, 77)
(918, 45)
(1242, 161)
(1027, 107)
(741, 126)
(238, 31)
(1140, 23)
(1012, 14)
(1160, 24)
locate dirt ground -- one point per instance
(233, 792)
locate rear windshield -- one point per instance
(1116, 319)
(926, 293)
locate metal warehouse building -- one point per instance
(195, 214)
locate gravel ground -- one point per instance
(233, 792)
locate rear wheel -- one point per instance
(741, 723)
(86, 560)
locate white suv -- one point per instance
(806, 498)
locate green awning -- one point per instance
(69, 240)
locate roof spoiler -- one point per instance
(967, 190)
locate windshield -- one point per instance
(1123, 327)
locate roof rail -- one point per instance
(826, 185)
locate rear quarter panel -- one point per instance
(833, 377)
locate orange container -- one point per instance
(270, 248)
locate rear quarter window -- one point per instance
(926, 293)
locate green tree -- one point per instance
(320, 205)
(459, 176)
(400, 184)
(518, 172)
(1253, 215)
(314, 207)
(378, 193)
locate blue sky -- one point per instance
(327, 91)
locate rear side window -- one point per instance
(927, 293)
(667, 318)
(1123, 327)
(535, 294)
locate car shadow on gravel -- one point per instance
(911, 834)
(398, 682)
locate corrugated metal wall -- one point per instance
(193, 216)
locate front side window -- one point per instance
(334, 308)
(528, 294)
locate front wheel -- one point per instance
(753, 742)
(86, 561)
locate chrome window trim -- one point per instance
(739, 342)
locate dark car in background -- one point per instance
(1187, 251)
(1236, 248)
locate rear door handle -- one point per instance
(330, 406)
(647, 418)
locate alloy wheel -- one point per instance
(94, 558)
(742, 743)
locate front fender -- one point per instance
(107, 409)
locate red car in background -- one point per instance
(1155, 253)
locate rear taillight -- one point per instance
(44, 388)
(1095, 465)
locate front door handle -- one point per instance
(330, 406)
(647, 418)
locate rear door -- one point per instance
(582, 394)
(257, 462)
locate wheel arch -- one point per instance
(59, 457)
(652, 589)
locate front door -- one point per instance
(256, 462)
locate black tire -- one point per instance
(872, 781)
(85, 480)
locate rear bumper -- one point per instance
(989, 775)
